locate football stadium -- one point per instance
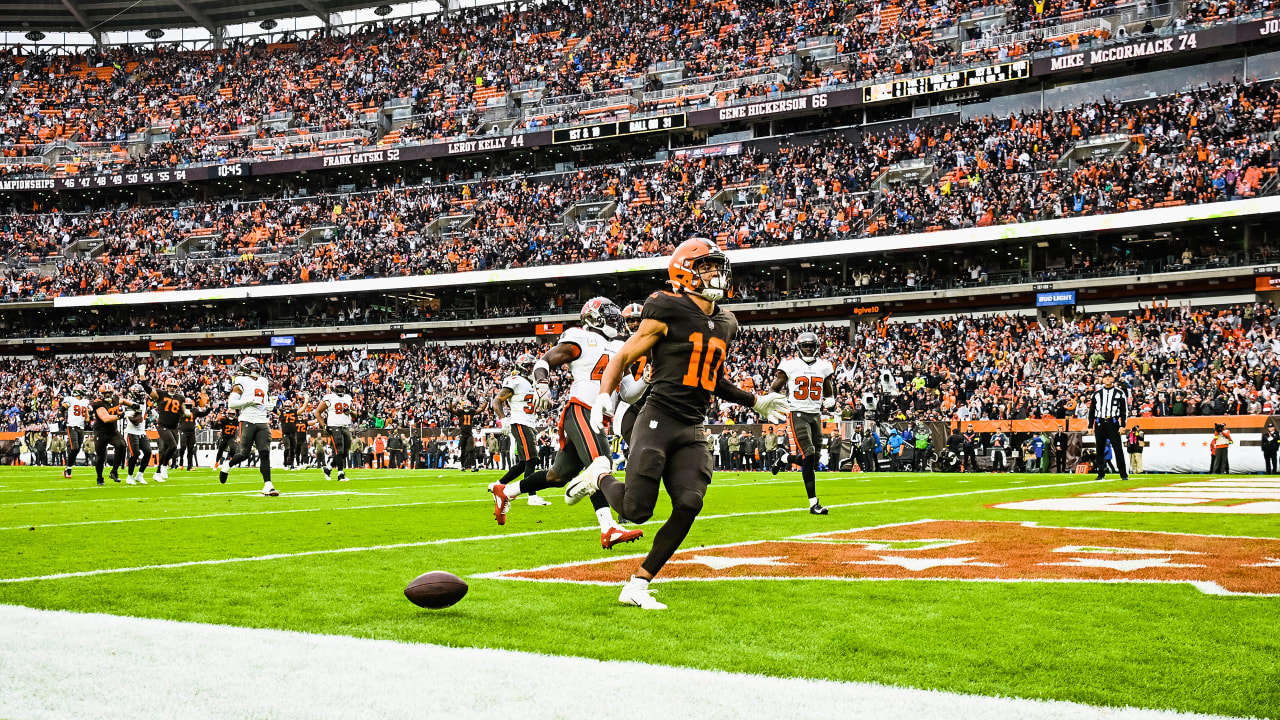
(914, 359)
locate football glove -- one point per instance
(828, 402)
(772, 407)
(601, 409)
(542, 396)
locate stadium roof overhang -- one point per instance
(99, 16)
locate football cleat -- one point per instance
(817, 509)
(269, 490)
(141, 480)
(617, 536)
(128, 480)
(328, 473)
(100, 482)
(115, 475)
(223, 470)
(588, 481)
(157, 477)
(635, 594)
(501, 503)
(535, 500)
(342, 477)
(66, 472)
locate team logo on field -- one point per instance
(1241, 495)
(978, 551)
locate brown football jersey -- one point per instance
(688, 361)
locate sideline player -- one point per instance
(169, 411)
(250, 394)
(587, 351)
(301, 442)
(288, 422)
(808, 380)
(78, 407)
(136, 441)
(467, 454)
(334, 414)
(106, 431)
(687, 336)
(513, 404)
(227, 426)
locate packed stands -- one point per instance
(1175, 360)
(456, 73)
(1194, 147)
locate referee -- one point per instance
(1108, 413)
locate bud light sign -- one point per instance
(1056, 297)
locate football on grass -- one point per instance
(435, 590)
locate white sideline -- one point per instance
(444, 541)
(58, 665)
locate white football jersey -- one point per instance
(804, 383)
(135, 419)
(77, 410)
(588, 367)
(258, 389)
(520, 405)
(337, 410)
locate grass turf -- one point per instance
(1159, 646)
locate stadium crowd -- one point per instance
(1174, 360)
(1196, 146)
(254, 98)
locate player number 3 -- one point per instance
(703, 372)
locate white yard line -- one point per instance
(59, 665)
(43, 526)
(475, 538)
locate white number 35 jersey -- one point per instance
(804, 383)
(521, 402)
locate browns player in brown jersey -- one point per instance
(687, 336)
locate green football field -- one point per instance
(334, 558)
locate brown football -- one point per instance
(435, 590)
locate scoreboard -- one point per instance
(604, 131)
(947, 82)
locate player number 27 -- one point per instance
(704, 371)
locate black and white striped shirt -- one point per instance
(1109, 404)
